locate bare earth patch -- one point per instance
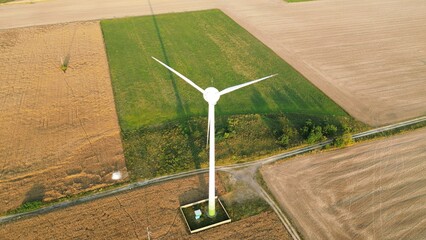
(131, 215)
(374, 190)
(59, 133)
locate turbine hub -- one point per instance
(211, 95)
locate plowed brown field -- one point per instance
(131, 215)
(374, 190)
(59, 133)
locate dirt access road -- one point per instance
(368, 56)
(130, 215)
(59, 132)
(372, 190)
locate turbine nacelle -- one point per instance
(211, 95)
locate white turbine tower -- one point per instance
(212, 95)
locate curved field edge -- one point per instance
(163, 119)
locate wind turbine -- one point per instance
(212, 95)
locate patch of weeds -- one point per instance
(26, 207)
(35, 205)
(242, 209)
(240, 200)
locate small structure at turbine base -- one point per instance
(197, 222)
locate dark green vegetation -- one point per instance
(181, 145)
(27, 207)
(247, 208)
(163, 119)
(204, 220)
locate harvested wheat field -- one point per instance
(369, 56)
(132, 214)
(374, 190)
(59, 133)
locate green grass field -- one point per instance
(210, 49)
(163, 119)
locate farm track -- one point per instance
(368, 56)
(256, 164)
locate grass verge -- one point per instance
(34, 205)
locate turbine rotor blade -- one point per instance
(231, 89)
(208, 130)
(180, 75)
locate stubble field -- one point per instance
(368, 56)
(372, 190)
(59, 132)
(131, 215)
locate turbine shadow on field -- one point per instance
(180, 108)
(194, 195)
(258, 100)
(182, 111)
(36, 193)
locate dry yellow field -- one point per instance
(374, 190)
(59, 133)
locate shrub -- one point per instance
(330, 130)
(315, 135)
(344, 140)
(288, 138)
